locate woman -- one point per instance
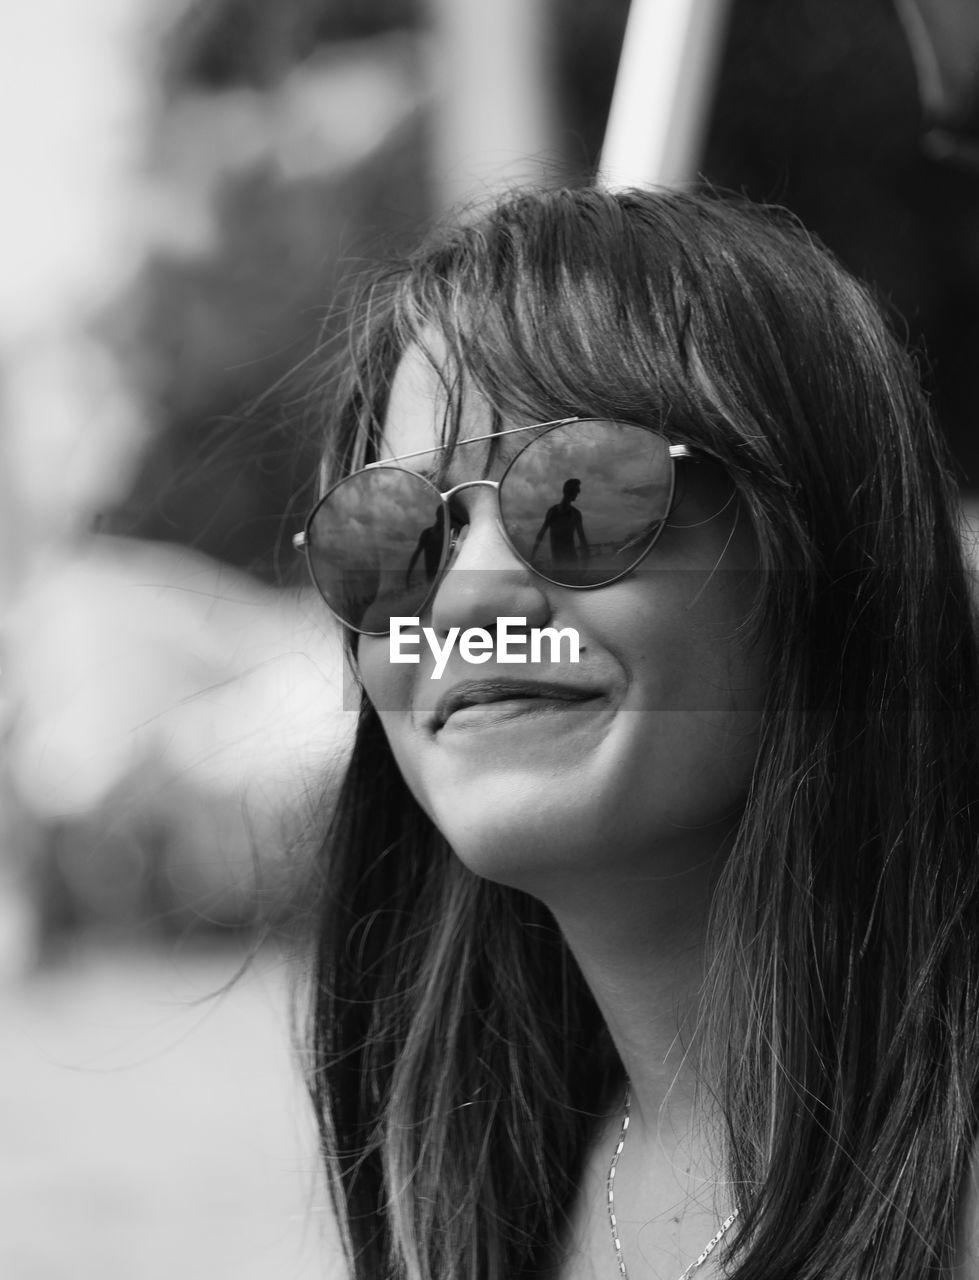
(715, 882)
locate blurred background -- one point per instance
(189, 188)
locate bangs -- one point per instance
(537, 320)
(534, 319)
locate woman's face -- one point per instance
(636, 757)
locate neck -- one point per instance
(639, 943)
(637, 930)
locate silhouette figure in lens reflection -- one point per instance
(430, 545)
(564, 524)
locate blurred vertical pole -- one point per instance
(663, 92)
(494, 120)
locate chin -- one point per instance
(564, 846)
(516, 837)
(575, 817)
(539, 845)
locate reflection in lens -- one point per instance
(584, 502)
(375, 545)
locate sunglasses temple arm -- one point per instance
(491, 435)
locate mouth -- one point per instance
(506, 697)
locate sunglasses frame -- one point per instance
(302, 541)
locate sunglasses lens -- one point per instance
(375, 545)
(584, 502)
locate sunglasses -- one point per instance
(580, 505)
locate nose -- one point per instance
(485, 580)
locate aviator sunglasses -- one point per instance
(580, 505)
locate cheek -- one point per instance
(675, 775)
(388, 684)
(390, 687)
(680, 638)
(686, 737)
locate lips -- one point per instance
(470, 693)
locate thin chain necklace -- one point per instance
(709, 1247)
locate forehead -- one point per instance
(418, 410)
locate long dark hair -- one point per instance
(458, 1058)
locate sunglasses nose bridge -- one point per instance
(471, 511)
(485, 579)
(462, 513)
(449, 494)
